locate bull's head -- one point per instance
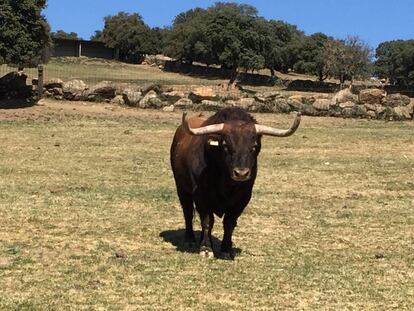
(237, 143)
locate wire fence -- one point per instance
(93, 71)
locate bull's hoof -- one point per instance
(206, 252)
(227, 255)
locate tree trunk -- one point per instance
(233, 77)
(272, 72)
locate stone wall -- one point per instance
(369, 103)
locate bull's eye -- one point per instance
(254, 148)
(225, 146)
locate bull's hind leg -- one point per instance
(188, 211)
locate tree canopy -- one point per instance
(24, 32)
(395, 61)
(60, 34)
(233, 36)
(129, 33)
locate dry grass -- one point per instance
(90, 220)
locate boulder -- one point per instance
(172, 96)
(104, 90)
(53, 83)
(322, 104)
(359, 111)
(118, 100)
(266, 96)
(403, 113)
(371, 114)
(131, 97)
(183, 103)
(345, 105)
(202, 93)
(74, 89)
(151, 100)
(168, 108)
(280, 105)
(395, 100)
(157, 88)
(296, 104)
(246, 103)
(371, 96)
(210, 105)
(344, 96)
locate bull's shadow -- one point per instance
(176, 238)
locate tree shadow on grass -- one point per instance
(176, 238)
(18, 103)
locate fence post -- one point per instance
(40, 77)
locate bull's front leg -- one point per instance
(229, 223)
(206, 245)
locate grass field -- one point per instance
(89, 218)
(92, 71)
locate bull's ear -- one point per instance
(214, 142)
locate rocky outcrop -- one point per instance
(371, 96)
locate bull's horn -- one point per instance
(267, 130)
(209, 129)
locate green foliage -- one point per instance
(60, 34)
(24, 32)
(395, 61)
(282, 42)
(97, 36)
(311, 56)
(225, 34)
(130, 34)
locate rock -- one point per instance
(202, 93)
(156, 60)
(210, 105)
(344, 96)
(246, 103)
(346, 105)
(230, 103)
(104, 90)
(168, 108)
(173, 96)
(359, 111)
(157, 88)
(403, 112)
(74, 89)
(322, 104)
(266, 96)
(183, 103)
(395, 100)
(309, 110)
(280, 105)
(151, 100)
(299, 98)
(379, 108)
(371, 96)
(371, 114)
(131, 97)
(296, 104)
(118, 100)
(347, 112)
(371, 107)
(56, 91)
(53, 83)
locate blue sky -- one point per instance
(374, 21)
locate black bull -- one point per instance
(214, 162)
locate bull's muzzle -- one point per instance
(241, 174)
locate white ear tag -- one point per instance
(213, 142)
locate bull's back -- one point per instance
(181, 153)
